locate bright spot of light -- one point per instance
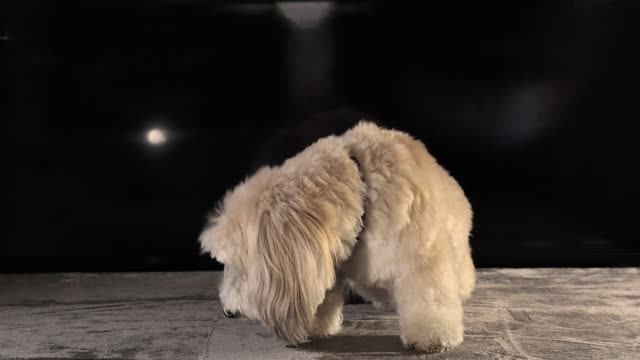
(156, 137)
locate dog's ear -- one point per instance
(210, 235)
(224, 236)
(216, 238)
(300, 241)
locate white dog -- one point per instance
(370, 209)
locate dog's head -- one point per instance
(280, 235)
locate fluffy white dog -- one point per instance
(370, 209)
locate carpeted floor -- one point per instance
(514, 314)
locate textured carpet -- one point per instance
(514, 314)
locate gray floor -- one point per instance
(514, 314)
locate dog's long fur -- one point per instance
(292, 238)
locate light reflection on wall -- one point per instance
(307, 14)
(512, 118)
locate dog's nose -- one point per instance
(231, 315)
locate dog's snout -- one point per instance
(231, 314)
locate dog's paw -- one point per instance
(323, 327)
(433, 340)
(324, 332)
(436, 346)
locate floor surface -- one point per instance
(514, 314)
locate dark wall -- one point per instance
(531, 105)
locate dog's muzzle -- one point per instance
(231, 315)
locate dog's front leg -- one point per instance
(328, 318)
(430, 308)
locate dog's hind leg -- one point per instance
(428, 302)
(328, 318)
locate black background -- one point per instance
(532, 106)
